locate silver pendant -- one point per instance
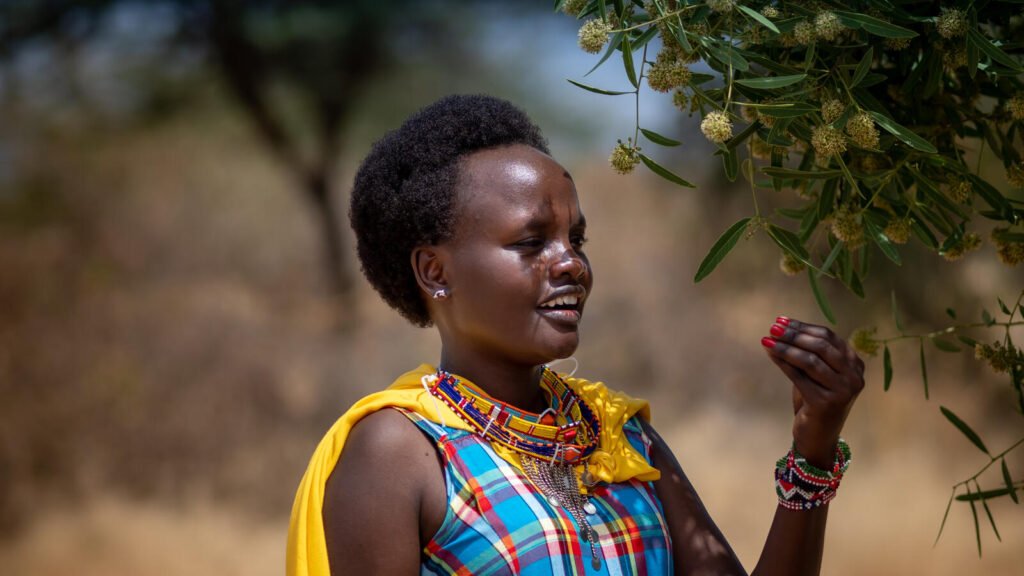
(590, 509)
(553, 501)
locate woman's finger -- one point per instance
(810, 390)
(820, 343)
(809, 362)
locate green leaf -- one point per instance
(951, 313)
(1002, 306)
(761, 19)
(831, 257)
(895, 313)
(723, 245)
(985, 494)
(924, 369)
(977, 527)
(883, 242)
(874, 25)
(995, 53)
(964, 429)
(658, 138)
(771, 82)
(784, 110)
(613, 44)
(729, 56)
(819, 296)
(945, 345)
(945, 516)
(598, 90)
(887, 368)
(1009, 482)
(863, 67)
(664, 172)
(905, 135)
(987, 318)
(627, 61)
(967, 340)
(991, 520)
(731, 163)
(801, 174)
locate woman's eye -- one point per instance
(579, 241)
(530, 243)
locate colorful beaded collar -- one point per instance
(567, 432)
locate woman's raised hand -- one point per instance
(827, 376)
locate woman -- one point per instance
(490, 463)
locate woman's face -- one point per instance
(515, 267)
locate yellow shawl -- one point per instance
(615, 460)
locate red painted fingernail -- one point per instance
(767, 342)
(777, 330)
(782, 320)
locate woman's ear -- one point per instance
(428, 266)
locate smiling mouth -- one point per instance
(563, 310)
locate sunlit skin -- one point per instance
(518, 241)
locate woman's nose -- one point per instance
(570, 264)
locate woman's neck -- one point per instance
(513, 384)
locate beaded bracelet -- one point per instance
(801, 486)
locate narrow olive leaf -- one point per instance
(964, 429)
(887, 368)
(863, 67)
(761, 19)
(771, 82)
(945, 516)
(992, 51)
(1002, 306)
(874, 25)
(627, 61)
(613, 44)
(598, 90)
(945, 345)
(832, 257)
(977, 527)
(883, 242)
(924, 369)
(722, 246)
(1009, 482)
(983, 495)
(658, 138)
(731, 163)
(987, 318)
(783, 110)
(789, 242)
(905, 135)
(951, 313)
(967, 340)
(801, 174)
(895, 313)
(991, 520)
(664, 172)
(819, 296)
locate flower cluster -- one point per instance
(961, 191)
(1016, 107)
(898, 230)
(828, 141)
(804, 33)
(624, 157)
(896, 44)
(770, 12)
(667, 73)
(862, 131)
(831, 110)
(1000, 357)
(722, 6)
(968, 243)
(593, 35)
(1015, 175)
(680, 100)
(573, 7)
(847, 227)
(717, 127)
(790, 265)
(952, 23)
(1009, 252)
(827, 26)
(863, 340)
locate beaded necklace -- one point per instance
(550, 444)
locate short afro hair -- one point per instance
(404, 191)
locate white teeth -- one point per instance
(569, 300)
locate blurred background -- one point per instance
(182, 316)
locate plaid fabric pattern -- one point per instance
(498, 522)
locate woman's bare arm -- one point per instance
(386, 491)
(827, 376)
